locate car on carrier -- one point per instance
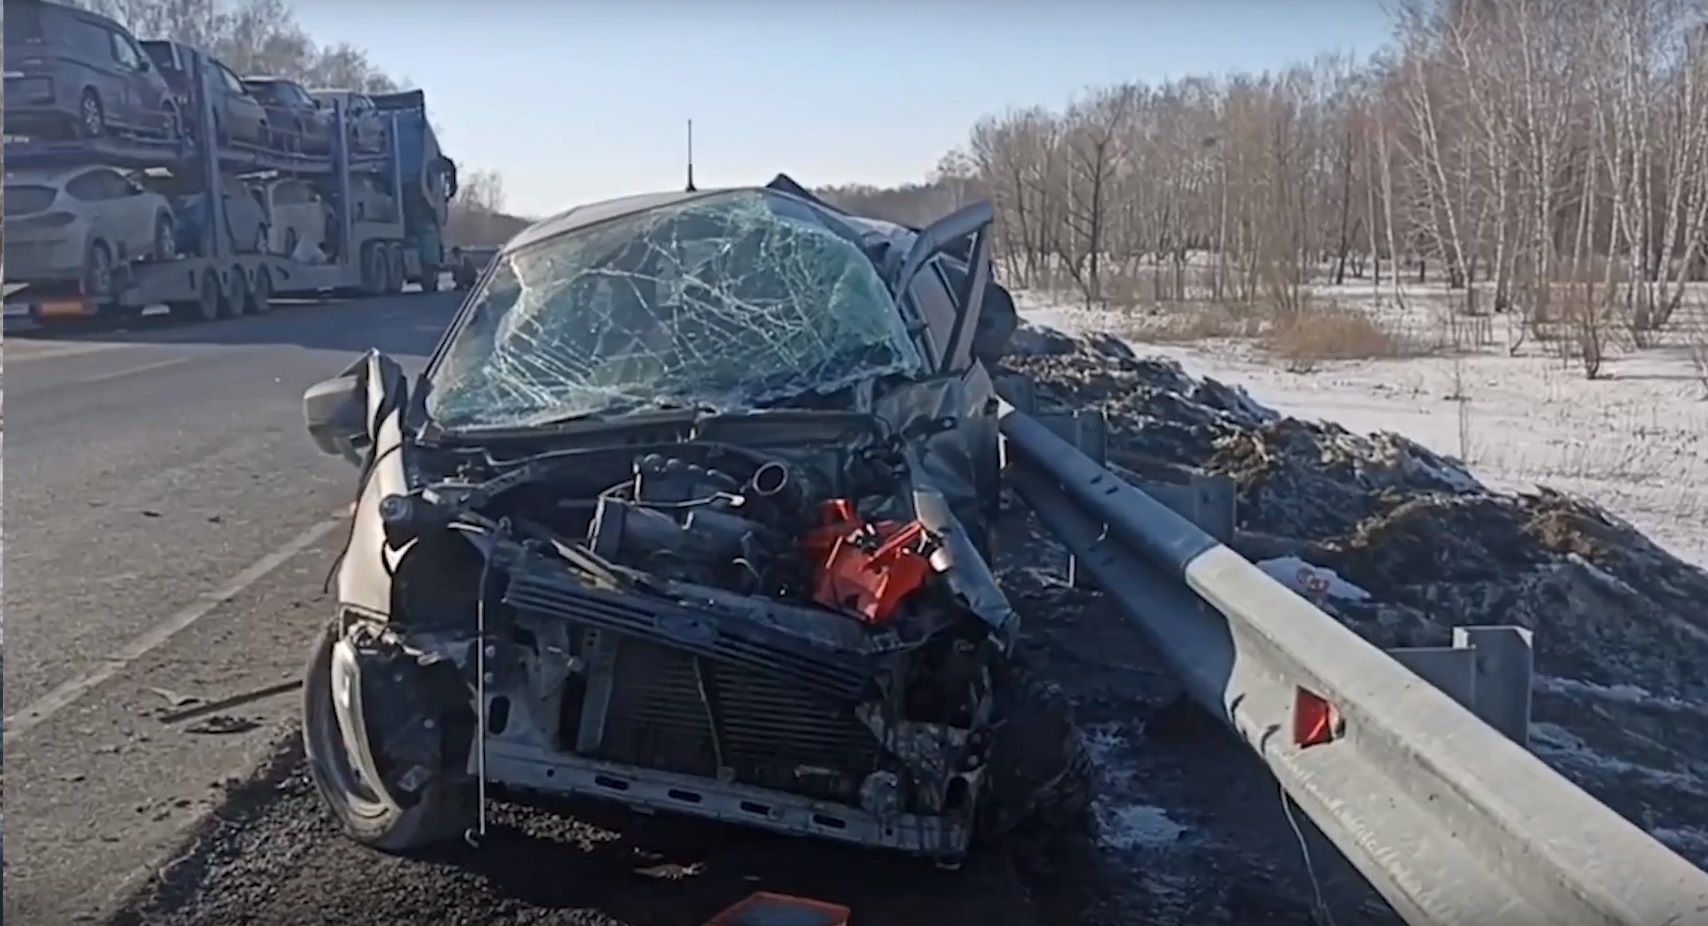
(297, 121)
(366, 127)
(247, 228)
(691, 511)
(81, 225)
(71, 73)
(299, 217)
(237, 115)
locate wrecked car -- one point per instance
(691, 509)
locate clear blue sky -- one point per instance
(579, 100)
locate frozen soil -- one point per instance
(1621, 633)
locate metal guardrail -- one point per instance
(1413, 763)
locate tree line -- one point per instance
(264, 37)
(1545, 158)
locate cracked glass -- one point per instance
(725, 301)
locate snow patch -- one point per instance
(1125, 825)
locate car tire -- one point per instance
(375, 818)
(173, 127)
(165, 237)
(91, 115)
(1043, 777)
(97, 280)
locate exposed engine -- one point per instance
(772, 635)
(679, 520)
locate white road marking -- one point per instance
(68, 693)
(23, 351)
(128, 371)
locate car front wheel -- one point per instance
(335, 730)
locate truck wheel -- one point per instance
(367, 811)
(394, 268)
(373, 270)
(261, 292)
(205, 307)
(236, 303)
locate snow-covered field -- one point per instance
(1634, 440)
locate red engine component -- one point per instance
(866, 568)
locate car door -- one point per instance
(316, 120)
(287, 199)
(144, 95)
(94, 49)
(962, 237)
(100, 193)
(247, 212)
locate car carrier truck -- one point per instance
(371, 254)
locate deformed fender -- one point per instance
(364, 570)
(966, 571)
(955, 473)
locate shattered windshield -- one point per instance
(726, 301)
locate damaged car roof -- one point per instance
(579, 217)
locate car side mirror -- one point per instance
(335, 412)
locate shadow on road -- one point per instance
(271, 854)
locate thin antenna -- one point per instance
(691, 156)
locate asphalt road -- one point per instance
(171, 526)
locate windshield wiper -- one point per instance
(579, 423)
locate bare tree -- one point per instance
(1548, 160)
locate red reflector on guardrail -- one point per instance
(1315, 721)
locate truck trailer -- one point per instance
(370, 254)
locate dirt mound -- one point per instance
(1621, 625)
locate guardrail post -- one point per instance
(1088, 431)
(1018, 391)
(1505, 670)
(1488, 670)
(1208, 500)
